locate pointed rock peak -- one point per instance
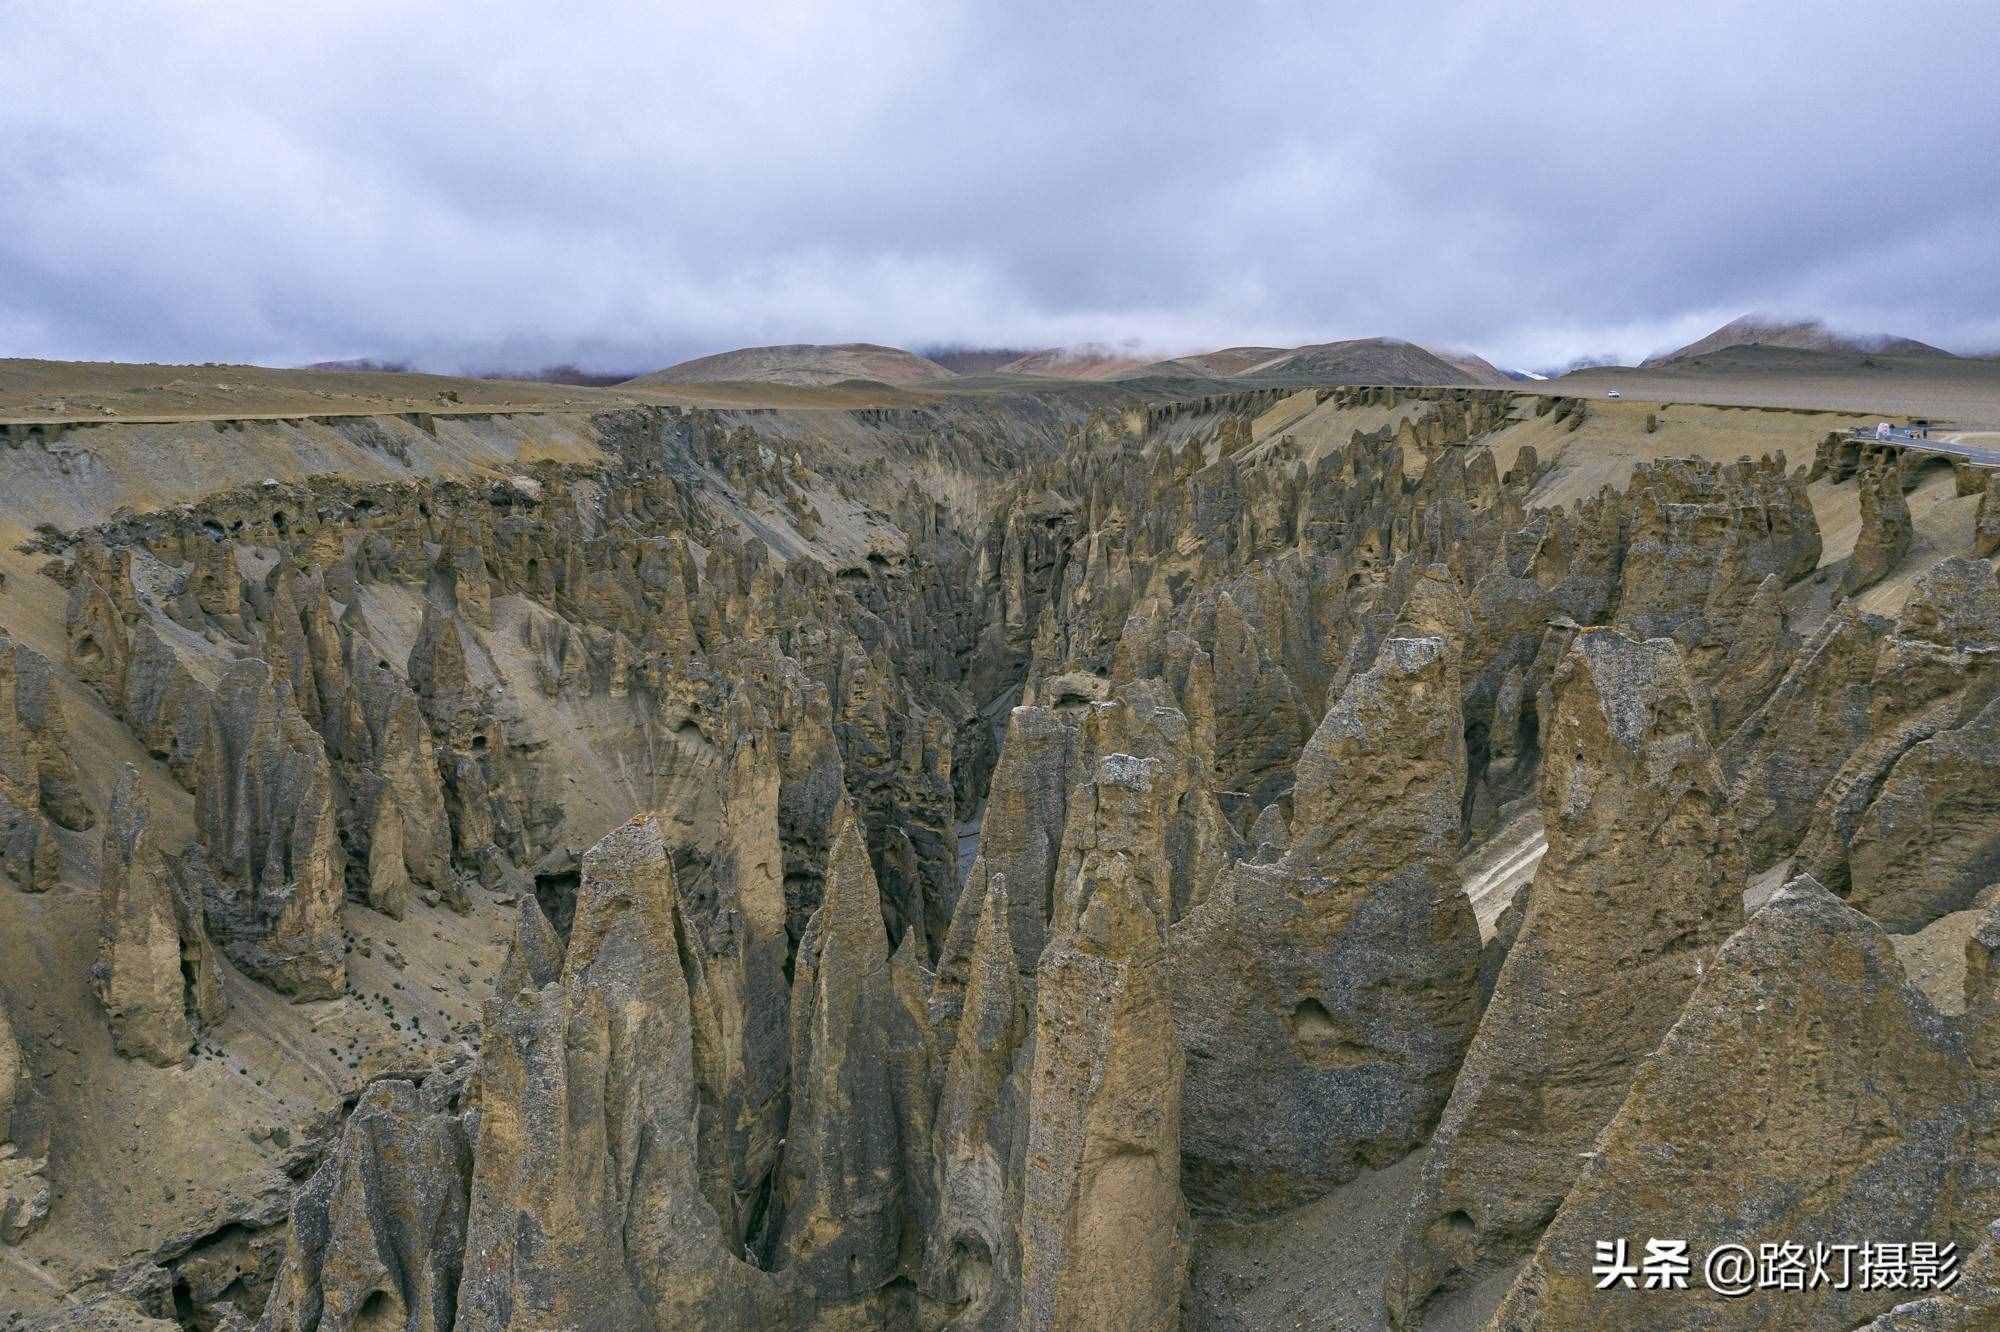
(1117, 921)
(1954, 602)
(1270, 836)
(909, 964)
(534, 956)
(1639, 688)
(1435, 608)
(993, 940)
(627, 882)
(851, 911)
(125, 830)
(437, 660)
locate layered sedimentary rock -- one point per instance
(1807, 1090)
(1784, 753)
(156, 972)
(1324, 998)
(1641, 881)
(271, 871)
(1934, 673)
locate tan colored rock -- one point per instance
(1020, 838)
(1640, 883)
(24, 1187)
(1986, 521)
(155, 973)
(1886, 533)
(1324, 999)
(1930, 839)
(1932, 673)
(264, 809)
(732, 928)
(1807, 1090)
(1104, 1227)
(587, 1200)
(1784, 754)
(972, 1267)
(1762, 650)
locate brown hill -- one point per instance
(1090, 361)
(1478, 367)
(1754, 330)
(1367, 361)
(804, 364)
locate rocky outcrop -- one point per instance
(732, 923)
(270, 869)
(156, 972)
(378, 1232)
(852, 1205)
(1640, 883)
(1886, 534)
(1104, 1227)
(1806, 1086)
(1324, 999)
(1986, 520)
(24, 1187)
(972, 1265)
(1703, 539)
(1761, 652)
(1930, 839)
(39, 791)
(1933, 674)
(587, 1203)
(1786, 752)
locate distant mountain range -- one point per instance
(1754, 330)
(1357, 360)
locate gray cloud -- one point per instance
(515, 184)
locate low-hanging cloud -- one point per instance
(625, 184)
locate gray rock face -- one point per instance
(1640, 883)
(587, 1204)
(852, 1208)
(1785, 753)
(38, 784)
(156, 974)
(972, 1266)
(1806, 1089)
(264, 808)
(1104, 1225)
(24, 1189)
(1324, 1000)
(1933, 673)
(378, 1232)
(1886, 534)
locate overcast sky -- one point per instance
(624, 185)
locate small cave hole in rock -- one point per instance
(555, 894)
